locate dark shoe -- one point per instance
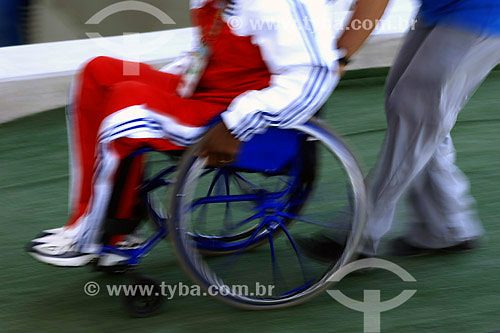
(321, 248)
(465, 246)
(401, 247)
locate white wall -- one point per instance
(36, 77)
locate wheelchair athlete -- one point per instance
(269, 63)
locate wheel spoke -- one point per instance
(202, 215)
(210, 170)
(238, 225)
(273, 258)
(227, 212)
(253, 187)
(234, 257)
(214, 181)
(295, 249)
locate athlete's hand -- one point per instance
(219, 146)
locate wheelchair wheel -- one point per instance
(321, 191)
(249, 189)
(141, 305)
(158, 185)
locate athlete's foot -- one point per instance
(401, 247)
(59, 249)
(51, 232)
(131, 242)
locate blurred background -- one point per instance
(41, 21)
(455, 293)
(48, 43)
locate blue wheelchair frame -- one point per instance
(294, 157)
(270, 153)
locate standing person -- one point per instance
(276, 67)
(453, 47)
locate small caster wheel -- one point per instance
(142, 305)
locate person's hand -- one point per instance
(219, 146)
(341, 70)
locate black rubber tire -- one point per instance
(143, 306)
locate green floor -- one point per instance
(456, 293)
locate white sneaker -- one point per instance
(59, 250)
(51, 232)
(112, 259)
(132, 241)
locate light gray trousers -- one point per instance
(435, 74)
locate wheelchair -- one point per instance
(234, 229)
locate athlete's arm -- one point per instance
(366, 14)
(296, 43)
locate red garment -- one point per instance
(235, 66)
(102, 89)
